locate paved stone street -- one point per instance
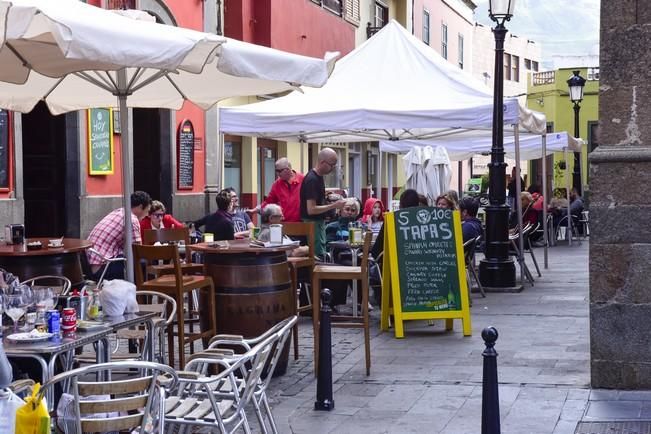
(430, 382)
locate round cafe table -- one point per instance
(253, 289)
(54, 261)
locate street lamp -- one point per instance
(576, 83)
(497, 269)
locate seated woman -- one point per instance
(529, 216)
(157, 219)
(220, 224)
(446, 202)
(337, 230)
(373, 216)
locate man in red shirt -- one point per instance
(285, 191)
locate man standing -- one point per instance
(285, 191)
(313, 197)
(108, 236)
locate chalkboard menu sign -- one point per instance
(4, 149)
(185, 160)
(426, 270)
(100, 141)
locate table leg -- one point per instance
(353, 252)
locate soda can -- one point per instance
(69, 320)
(53, 321)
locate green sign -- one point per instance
(100, 141)
(426, 247)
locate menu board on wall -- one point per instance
(100, 141)
(185, 156)
(4, 149)
(424, 257)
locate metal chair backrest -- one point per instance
(151, 236)
(63, 283)
(146, 303)
(283, 330)
(136, 392)
(149, 254)
(306, 229)
(469, 249)
(258, 357)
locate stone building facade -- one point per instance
(620, 238)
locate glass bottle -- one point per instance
(94, 306)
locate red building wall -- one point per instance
(297, 26)
(188, 14)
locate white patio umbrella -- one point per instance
(438, 172)
(75, 56)
(428, 171)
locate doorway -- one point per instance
(152, 154)
(44, 172)
(354, 174)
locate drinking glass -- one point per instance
(15, 307)
(46, 297)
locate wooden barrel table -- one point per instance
(54, 261)
(253, 289)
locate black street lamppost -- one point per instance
(497, 270)
(576, 83)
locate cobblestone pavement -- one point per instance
(430, 381)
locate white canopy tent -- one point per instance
(392, 87)
(76, 56)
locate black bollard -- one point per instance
(490, 405)
(324, 400)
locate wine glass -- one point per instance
(46, 297)
(15, 306)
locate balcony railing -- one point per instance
(542, 78)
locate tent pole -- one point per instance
(127, 181)
(378, 193)
(460, 177)
(567, 195)
(545, 198)
(518, 200)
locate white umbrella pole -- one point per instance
(567, 195)
(518, 199)
(127, 182)
(545, 198)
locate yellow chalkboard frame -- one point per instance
(92, 171)
(391, 300)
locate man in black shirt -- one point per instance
(313, 198)
(220, 224)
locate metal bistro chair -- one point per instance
(223, 343)
(515, 251)
(62, 286)
(527, 245)
(198, 401)
(295, 263)
(150, 301)
(469, 248)
(342, 272)
(135, 390)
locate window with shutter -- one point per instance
(351, 11)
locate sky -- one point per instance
(561, 27)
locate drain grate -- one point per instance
(613, 428)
